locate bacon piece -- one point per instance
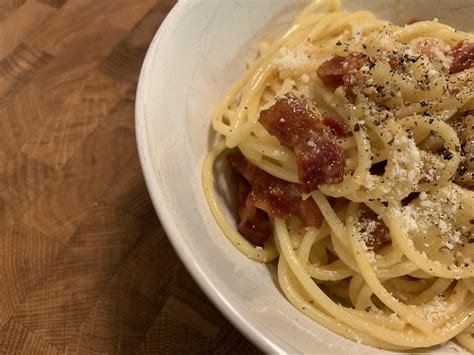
(272, 196)
(319, 163)
(309, 213)
(463, 56)
(254, 224)
(338, 127)
(337, 71)
(319, 159)
(267, 192)
(380, 236)
(433, 48)
(348, 81)
(331, 72)
(290, 120)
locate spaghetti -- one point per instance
(353, 141)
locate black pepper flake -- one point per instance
(338, 43)
(447, 155)
(471, 221)
(356, 127)
(413, 59)
(423, 103)
(462, 170)
(430, 120)
(370, 64)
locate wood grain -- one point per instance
(85, 265)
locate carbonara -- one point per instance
(352, 144)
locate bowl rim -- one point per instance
(255, 332)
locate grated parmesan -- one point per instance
(292, 59)
(438, 309)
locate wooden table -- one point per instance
(84, 264)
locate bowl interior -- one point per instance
(198, 53)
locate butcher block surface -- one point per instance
(85, 267)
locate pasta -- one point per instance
(353, 141)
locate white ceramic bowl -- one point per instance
(196, 55)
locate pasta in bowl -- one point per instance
(351, 140)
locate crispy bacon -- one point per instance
(432, 48)
(348, 81)
(337, 71)
(319, 159)
(309, 213)
(338, 127)
(380, 236)
(331, 72)
(463, 56)
(254, 224)
(262, 195)
(320, 163)
(435, 49)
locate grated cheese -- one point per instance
(437, 309)
(292, 59)
(305, 78)
(405, 166)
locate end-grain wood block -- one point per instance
(85, 265)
